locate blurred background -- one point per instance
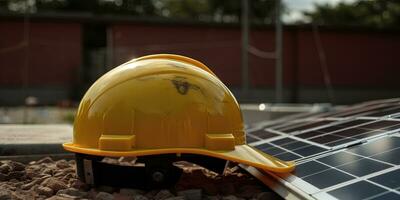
(265, 51)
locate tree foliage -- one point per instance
(227, 11)
(372, 13)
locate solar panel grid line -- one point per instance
(290, 184)
(370, 157)
(322, 128)
(300, 140)
(342, 164)
(361, 111)
(309, 125)
(285, 119)
(297, 122)
(380, 135)
(305, 141)
(377, 101)
(362, 178)
(300, 183)
(266, 133)
(378, 195)
(344, 112)
(324, 196)
(294, 150)
(343, 127)
(337, 110)
(287, 150)
(267, 140)
(261, 140)
(395, 116)
(289, 124)
(362, 131)
(347, 163)
(284, 151)
(366, 179)
(371, 125)
(385, 112)
(323, 192)
(381, 111)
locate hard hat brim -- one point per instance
(242, 154)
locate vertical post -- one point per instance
(245, 43)
(278, 53)
(110, 48)
(25, 69)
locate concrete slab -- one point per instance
(33, 139)
(35, 134)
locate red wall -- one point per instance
(54, 53)
(354, 59)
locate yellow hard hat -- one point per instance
(164, 104)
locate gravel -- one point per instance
(56, 180)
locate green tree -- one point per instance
(372, 13)
(225, 11)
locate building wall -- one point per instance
(361, 64)
(54, 57)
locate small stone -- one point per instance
(130, 192)
(48, 171)
(69, 170)
(4, 177)
(140, 197)
(59, 173)
(31, 184)
(72, 192)
(229, 197)
(45, 160)
(54, 184)
(71, 162)
(78, 184)
(62, 164)
(61, 197)
(16, 175)
(30, 173)
(5, 168)
(163, 194)
(5, 195)
(46, 191)
(17, 166)
(193, 194)
(67, 177)
(104, 196)
(69, 196)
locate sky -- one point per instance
(297, 6)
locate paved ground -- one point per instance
(35, 134)
(33, 139)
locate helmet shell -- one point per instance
(158, 102)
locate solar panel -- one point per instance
(350, 153)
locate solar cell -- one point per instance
(305, 126)
(263, 134)
(342, 173)
(359, 190)
(352, 156)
